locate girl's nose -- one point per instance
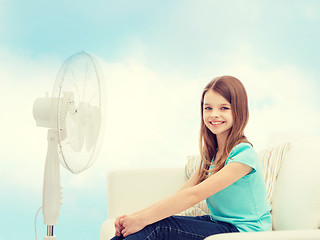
(214, 113)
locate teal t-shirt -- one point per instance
(244, 203)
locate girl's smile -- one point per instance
(219, 123)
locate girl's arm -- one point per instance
(184, 198)
(191, 181)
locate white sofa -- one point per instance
(296, 195)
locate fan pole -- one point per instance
(51, 185)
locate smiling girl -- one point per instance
(229, 178)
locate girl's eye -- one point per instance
(207, 108)
(224, 108)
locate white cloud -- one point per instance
(148, 120)
(146, 113)
(152, 117)
(281, 99)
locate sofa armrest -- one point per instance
(272, 235)
(129, 190)
(107, 229)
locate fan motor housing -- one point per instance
(44, 112)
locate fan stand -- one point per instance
(52, 191)
(50, 235)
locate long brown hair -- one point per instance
(234, 92)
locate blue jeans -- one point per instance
(181, 228)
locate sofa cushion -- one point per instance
(271, 160)
(193, 163)
(201, 208)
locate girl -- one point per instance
(229, 178)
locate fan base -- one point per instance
(49, 237)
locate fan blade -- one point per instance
(93, 127)
(67, 107)
(79, 120)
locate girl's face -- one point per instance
(217, 114)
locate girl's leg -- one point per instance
(181, 228)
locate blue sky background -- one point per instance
(157, 57)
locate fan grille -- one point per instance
(78, 83)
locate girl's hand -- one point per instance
(118, 226)
(131, 224)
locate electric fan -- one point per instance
(74, 116)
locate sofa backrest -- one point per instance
(296, 196)
(130, 190)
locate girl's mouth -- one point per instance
(216, 123)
